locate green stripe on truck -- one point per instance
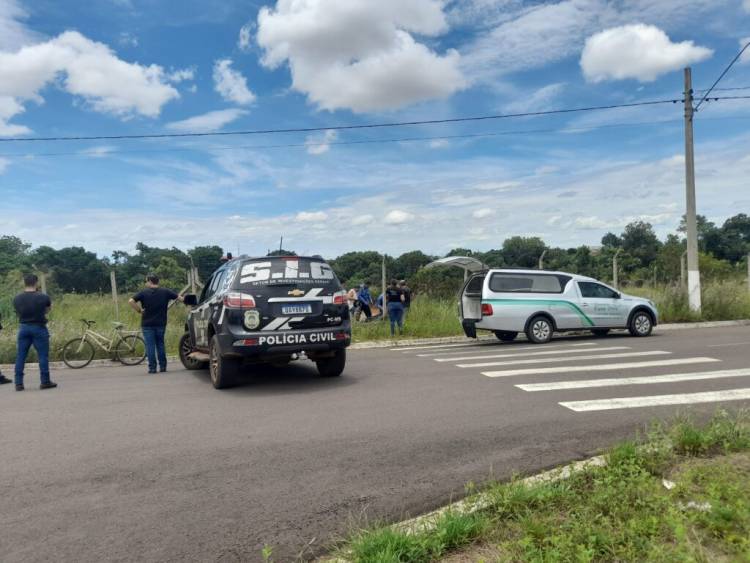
(572, 306)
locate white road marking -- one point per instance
(614, 382)
(536, 353)
(566, 359)
(729, 344)
(503, 347)
(657, 400)
(601, 367)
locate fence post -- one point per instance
(113, 283)
(43, 281)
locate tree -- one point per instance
(735, 238)
(523, 252)
(170, 273)
(409, 263)
(611, 240)
(640, 241)
(206, 259)
(76, 270)
(282, 252)
(12, 253)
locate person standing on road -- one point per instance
(152, 303)
(32, 307)
(394, 298)
(407, 297)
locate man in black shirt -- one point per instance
(32, 307)
(151, 303)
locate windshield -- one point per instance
(287, 271)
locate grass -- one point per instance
(428, 317)
(622, 511)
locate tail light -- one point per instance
(238, 300)
(486, 310)
(339, 298)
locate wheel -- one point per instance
(281, 362)
(223, 371)
(185, 348)
(600, 331)
(131, 350)
(332, 367)
(539, 330)
(78, 353)
(641, 324)
(506, 336)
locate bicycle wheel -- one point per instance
(78, 353)
(130, 350)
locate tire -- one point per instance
(223, 370)
(641, 324)
(332, 367)
(185, 348)
(78, 353)
(600, 331)
(506, 336)
(539, 330)
(131, 350)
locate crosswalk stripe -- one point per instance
(657, 400)
(536, 353)
(565, 359)
(477, 344)
(508, 348)
(616, 382)
(599, 367)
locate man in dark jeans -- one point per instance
(151, 303)
(31, 307)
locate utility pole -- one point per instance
(683, 269)
(384, 308)
(541, 259)
(615, 270)
(693, 272)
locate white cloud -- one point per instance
(83, 68)
(398, 217)
(746, 5)
(482, 213)
(359, 54)
(744, 41)
(537, 100)
(9, 108)
(643, 52)
(181, 75)
(244, 41)
(99, 151)
(320, 144)
(362, 220)
(207, 122)
(4, 163)
(230, 84)
(311, 216)
(13, 33)
(127, 39)
(440, 144)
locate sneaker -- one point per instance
(50, 385)
(4, 379)
(162, 370)
(19, 387)
(151, 371)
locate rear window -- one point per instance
(474, 286)
(287, 271)
(528, 283)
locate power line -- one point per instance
(340, 127)
(730, 65)
(357, 142)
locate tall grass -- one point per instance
(428, 316)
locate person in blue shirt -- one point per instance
(365, 299)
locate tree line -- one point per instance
(642, 258)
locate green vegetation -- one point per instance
(680, 494)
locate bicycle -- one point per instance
(128, 347)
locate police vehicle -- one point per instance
(267, 310)
(539, 302)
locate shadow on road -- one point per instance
(264, 379)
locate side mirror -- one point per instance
(190, 300)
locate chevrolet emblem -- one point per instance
(296, 293)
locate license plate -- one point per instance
(296, 309)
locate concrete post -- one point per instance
(693, 278)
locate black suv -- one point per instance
(267, 310)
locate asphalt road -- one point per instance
(115, 465)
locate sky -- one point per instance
(135, 67)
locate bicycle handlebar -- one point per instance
(88, 323)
